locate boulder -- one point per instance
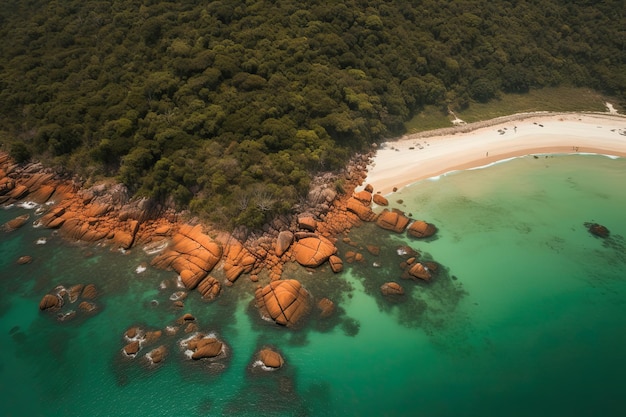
(391, 288)
(209, 287)
(421, 229)
(307, 222)
(284, 240)
(132, 348)
(380, 200)
(271, 358)
(42, 194)
(327, 307)
(192, 254)
(90, 292)
(208, 347)
(50, 302)
(87, 307)
(157, 355)
(392, 220)
(364, 197)
(185, 318)
(237, 260)
(284, 301)
(313, 251)
(74, 292)
(364, 212)
(336, 264)
(418, 270)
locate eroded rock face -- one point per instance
(271, 358)
(313, 251)
(421, 229)
(284, 301)
(192, 254)
(392, 220)
(391, 288)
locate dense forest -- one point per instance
(229, 107)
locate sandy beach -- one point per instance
(420, 156)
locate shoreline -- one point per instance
(424, 155)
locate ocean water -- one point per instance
(526, 316)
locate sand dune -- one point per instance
(415, 157)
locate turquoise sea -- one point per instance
(527, 316)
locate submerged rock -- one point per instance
(23, 260)
(597, 230)
(391, 288)
(16, 223)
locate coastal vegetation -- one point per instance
(230, 107)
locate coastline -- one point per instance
(412, 158)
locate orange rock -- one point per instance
(157, 355)
(392, 220)
(336, 264)
(26, 259)
(271, 358)
(313, 251)
(132, 348)
(237, 260)
(190, 251)
(209, 287)
(374, 250)
(364, 196)
(421, 229)
(307, 223)
(417, 270)
(207, 348)
(132, 332)
(369, 188)
(284, 301)
(380, 200)
(391, 288)
(87, 306)
(364, 212)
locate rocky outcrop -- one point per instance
(313, 251)
(191, 253)
(307, 222)
(392, 220)
(363, 211)
(283, 301)
(421, 229)
(391, 288)
(90, 292)
(157, 355)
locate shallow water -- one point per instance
(525, 318)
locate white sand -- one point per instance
(396, 164)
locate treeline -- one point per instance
(229, 107)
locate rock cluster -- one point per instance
(284, 301)
(60, 299)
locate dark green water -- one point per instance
(526, 318)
